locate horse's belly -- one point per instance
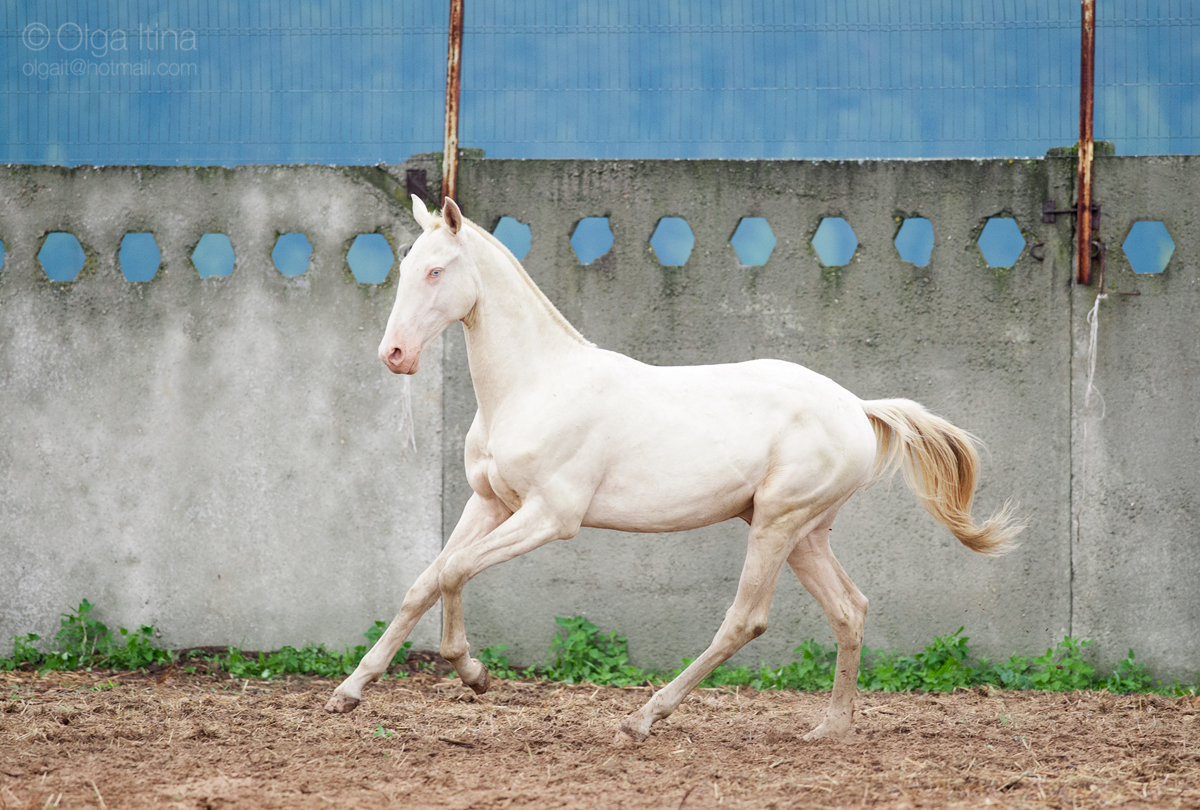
(668, 502)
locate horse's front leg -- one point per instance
(478, 518)
(531, 526)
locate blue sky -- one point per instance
(218, 82)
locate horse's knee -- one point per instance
(851, 618)
(421, 597)
(738, 632)
(454, 574)
(860, 605)
(757, 623)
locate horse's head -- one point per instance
(438, 285)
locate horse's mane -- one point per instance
(541, 296)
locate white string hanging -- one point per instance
(1093, 319)
(407, 429)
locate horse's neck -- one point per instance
(513, 334)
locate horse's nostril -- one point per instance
(395, 356)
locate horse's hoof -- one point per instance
(627, 737)
(482, 684)
(341, 704)
(829, 731)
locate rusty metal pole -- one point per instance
(453, 85)
(1083, 197)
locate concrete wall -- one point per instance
(222, 458)
(1136, 544)
(245, 388)
(988, 349)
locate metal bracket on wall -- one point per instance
(415, 182)
(1050, 213)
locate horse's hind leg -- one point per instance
(846, 609)
(746, 619)
(478, 518)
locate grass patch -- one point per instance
(307, 660)
(582, 653)
(83, 642)
(946, 664)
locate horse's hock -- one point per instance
(225, 458)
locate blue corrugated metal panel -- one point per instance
(212, 82)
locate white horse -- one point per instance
(570, 435)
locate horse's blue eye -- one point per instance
(435, 272)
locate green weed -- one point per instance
(722, 676)
(1129, 676)
(308, 660)
(1014, 674)
(942, 666)
(85, 642)
(1063, 669)
(137, 652)
(582, 653)
(82, 642)
(24, 652)
(945, 665)
(497, 663)
(811, 672)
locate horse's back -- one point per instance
(685, 446)
(757, 395)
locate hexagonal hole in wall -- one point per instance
(1148, 246)
(835, 242)
(914, 241)
(753, 241)
(591, 239)
(1001, 242)
(139, 257)
(370, 258)
(213, 256)
(291, 254)
(514, 235)
(61, 256)
(673, 241)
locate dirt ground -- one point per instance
(169, 739)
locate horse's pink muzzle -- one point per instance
(400, 360)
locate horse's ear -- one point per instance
(452, 216)
(421, 213)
